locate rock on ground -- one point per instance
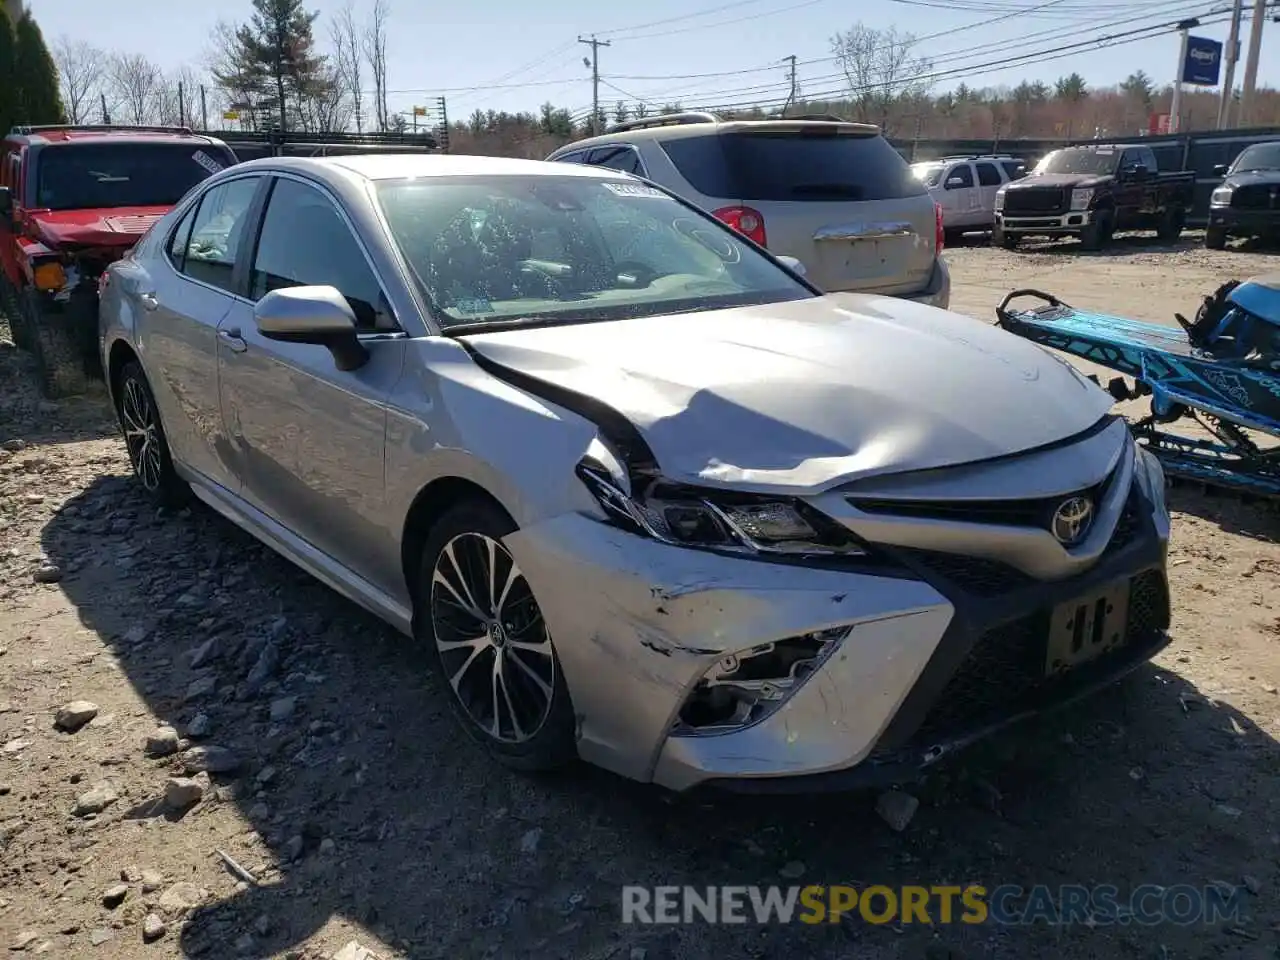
(75, 715)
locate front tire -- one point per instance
(1097, 234)
(58, 343)
(1171, 225)
(145, 439)
(478, 616)
(1215, 238)
(1002, 238)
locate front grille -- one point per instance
(1128, 525)
(976, 576)
(1256, 196)
(1003, 673)
(1035, 200)
(1008, 513)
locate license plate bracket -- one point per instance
(1087, 627)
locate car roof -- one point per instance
(673, 131)
(71, 134)
(401, 166)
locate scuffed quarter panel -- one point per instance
(448, 418)
(116, 320)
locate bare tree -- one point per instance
(135, 82)
(375, 52)
(240, 83)
(80, 71)
(176, 99)
(328, 107)
(880, 69)
(349, 61)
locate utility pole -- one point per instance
(204, 110)
(1249, 87)
(182, 107)
(444, 125)
(106, 117)
(595, 46)
(791, 97)
(1175, 109)
(1232, 55)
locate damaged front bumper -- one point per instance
(911, 664)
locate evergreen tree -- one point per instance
(35, 76)
(277, 54)
(8, 75)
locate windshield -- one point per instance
(570, 249)
(1260, 156)
(1101, 161)
(92, 176)
(927, 173)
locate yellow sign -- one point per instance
(419, 111)
(230, 114)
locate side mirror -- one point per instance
(792, 264)
(1139, 171)
(1219, 169)
(954, 182)
(319, 315)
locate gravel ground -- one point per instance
(170, 689)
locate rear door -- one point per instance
(989, 182)
(842, 202)
(959, 196)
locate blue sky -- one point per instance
(710, 51)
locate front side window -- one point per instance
(1260, 156)
(96, 175)
(305, 242)
(216, 231)
(570, 249)
(959, 176)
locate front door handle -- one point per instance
(149, 301)
(235, 343)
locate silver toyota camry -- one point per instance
(648, 497)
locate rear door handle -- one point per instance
(149, 301)
(235, 343)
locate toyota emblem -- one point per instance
(1072, 520)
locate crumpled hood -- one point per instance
(116, 227)
(1060, 180)
(804, 395)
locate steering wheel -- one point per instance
(642, 273)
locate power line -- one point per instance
(1038, 56)
(725, 23)
(964, 53)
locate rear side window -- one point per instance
(793, 166)
(617, 158)
(1015, 169)
(988, 175)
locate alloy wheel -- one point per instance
(141, 434)
(493, 643)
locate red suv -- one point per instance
(72, 200)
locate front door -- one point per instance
(179, 304)
(308, 438)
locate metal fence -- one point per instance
(1198, 151)
(255, 146)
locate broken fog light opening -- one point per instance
(690, 517)
(741, 689)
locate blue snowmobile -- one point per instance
(1221, 369)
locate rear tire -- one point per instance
(145, 439)
(1215, 238)
(494, 655)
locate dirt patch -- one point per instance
(312, 789)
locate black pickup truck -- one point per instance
(1091, 192)
(1247, 202)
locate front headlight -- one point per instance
(1221, 197)
(1080, 199)
(713, 520)
(1000, 199)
